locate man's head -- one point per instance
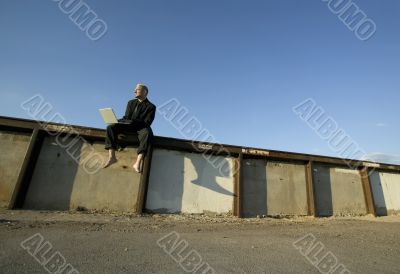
(141, 92)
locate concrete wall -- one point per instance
(13, 147)
(386, 192)
(183, 182)
(338, 191)
(61, 183)
(188, 183)
(273, 188)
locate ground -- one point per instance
(123, 243)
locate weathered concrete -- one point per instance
(61, 183)
(386, 192)
(273, 188)
(287, 191)
(188, 183)
(13, 148)
(338, 191)
(183, 181)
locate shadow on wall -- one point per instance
(323, 191)
(254, 188)
(339, 191)
(379, 196)
(13, 146)
(209, 171)
(273, 188)
(53, 179)
(165, 189)
(170, 170)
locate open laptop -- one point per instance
(109, 117)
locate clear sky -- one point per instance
(239, 67)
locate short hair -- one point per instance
(144, 87)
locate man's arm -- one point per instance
(150, 116)
(128, 111)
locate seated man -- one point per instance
(138, 117)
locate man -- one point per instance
(138, 117)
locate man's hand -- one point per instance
(124, 121)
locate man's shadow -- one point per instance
(208, 169)
(169, 175)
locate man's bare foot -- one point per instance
(110, 162)
(138, 166)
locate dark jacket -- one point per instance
(140, 113)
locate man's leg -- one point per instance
(111, 158)
(144, 136)
(111, 144)
(138, 165)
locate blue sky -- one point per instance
(239, 67)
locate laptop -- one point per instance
(108, 115)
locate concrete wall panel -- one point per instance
(188, 183)
(386, 192)
(287, 191)
(254, 187)
(13, 147)
(61, 183)
(338, 191)
(273, 188)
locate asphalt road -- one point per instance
(109, 243)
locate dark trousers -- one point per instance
(144, 135)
